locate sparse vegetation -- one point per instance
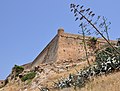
(28, 76)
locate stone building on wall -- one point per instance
(64, 46)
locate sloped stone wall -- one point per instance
(49, 54)
(65, 46)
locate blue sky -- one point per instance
(27, 26)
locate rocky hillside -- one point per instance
(45, 76)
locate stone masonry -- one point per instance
(64, 46)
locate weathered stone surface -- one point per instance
(65, 46)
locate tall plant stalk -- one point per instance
(85, 46)
(106, 28)
(86, 14)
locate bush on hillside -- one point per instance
(28, 76)
(18, 69)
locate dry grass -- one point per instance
(104, 83)
(110, 82)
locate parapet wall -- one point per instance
(80, 37)
(64, 46)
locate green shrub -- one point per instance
(18, 69)
(28, 76)
(93, 40)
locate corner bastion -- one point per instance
(64, 46)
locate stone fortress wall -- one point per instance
(64, 46)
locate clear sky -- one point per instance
(27, 26)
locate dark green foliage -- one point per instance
(93, 40)
(109, 49)
(18, 69)
(28, 76)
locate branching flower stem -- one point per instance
(98, 31)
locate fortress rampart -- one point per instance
(64, 46)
